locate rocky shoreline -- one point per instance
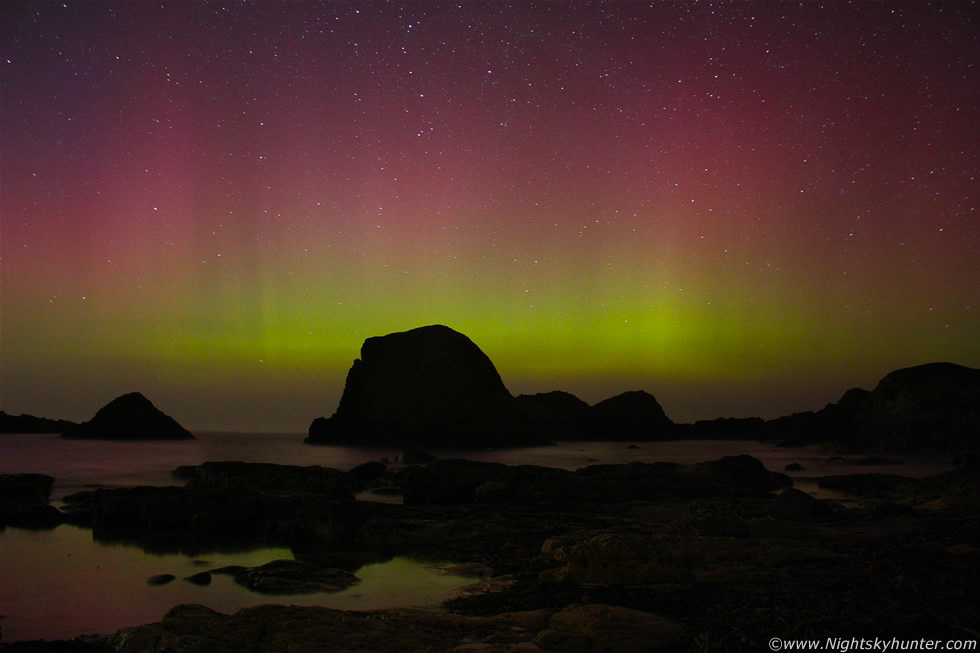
(721, 555)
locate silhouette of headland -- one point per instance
(31, 424)
(129, 417)
(433, 387)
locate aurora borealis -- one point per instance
(745, 208)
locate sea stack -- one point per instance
(634, 415)
(129, 417)
(427, 387)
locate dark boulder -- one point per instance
(429, 386)
(270, 478)
(24, 501)
(796, 505)
(200, 578)
(742, 471)
(369, 471)
(25, 488)
(39, 517)
(290, 577)
(559, 415)
(865, 485)
(129, 417)
(635, 415)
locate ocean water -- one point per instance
(61, 583)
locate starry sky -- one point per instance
(744, 208)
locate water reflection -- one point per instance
(61, 583)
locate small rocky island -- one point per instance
(129, 417)
(427, 387)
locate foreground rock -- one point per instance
(431, 387)
(129, 417)
(24, 501)
(587, 627)
(290, 577)
(610, 557)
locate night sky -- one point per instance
(744, 208)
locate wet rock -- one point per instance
(270, 478)
(743, 471)
(129, 417)
(866, 485)
(200, 578)
(608, 628)
(291, 577)
(369, 471)
(24, 501)
(26, 489)
(470, 570)
(615, 559)
(296, 628)
(40, 517)
(160, 579)
(195, 516)
(797, 505)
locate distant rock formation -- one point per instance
(936, 405)
(31, 424)
(559, 415)
(635, 415)
(722, 428)
(429, 386)
(129, 417)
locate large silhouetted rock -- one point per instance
(430, 386)
(933, 405)
(129, 417)
(635, 415)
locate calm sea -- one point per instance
(61, 583)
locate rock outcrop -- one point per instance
(31, 424)
(24, 501)
(429, 386)
(559, 415)
(635, 415)
(129, 417)
(932, 406)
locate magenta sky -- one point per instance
(743, 208)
